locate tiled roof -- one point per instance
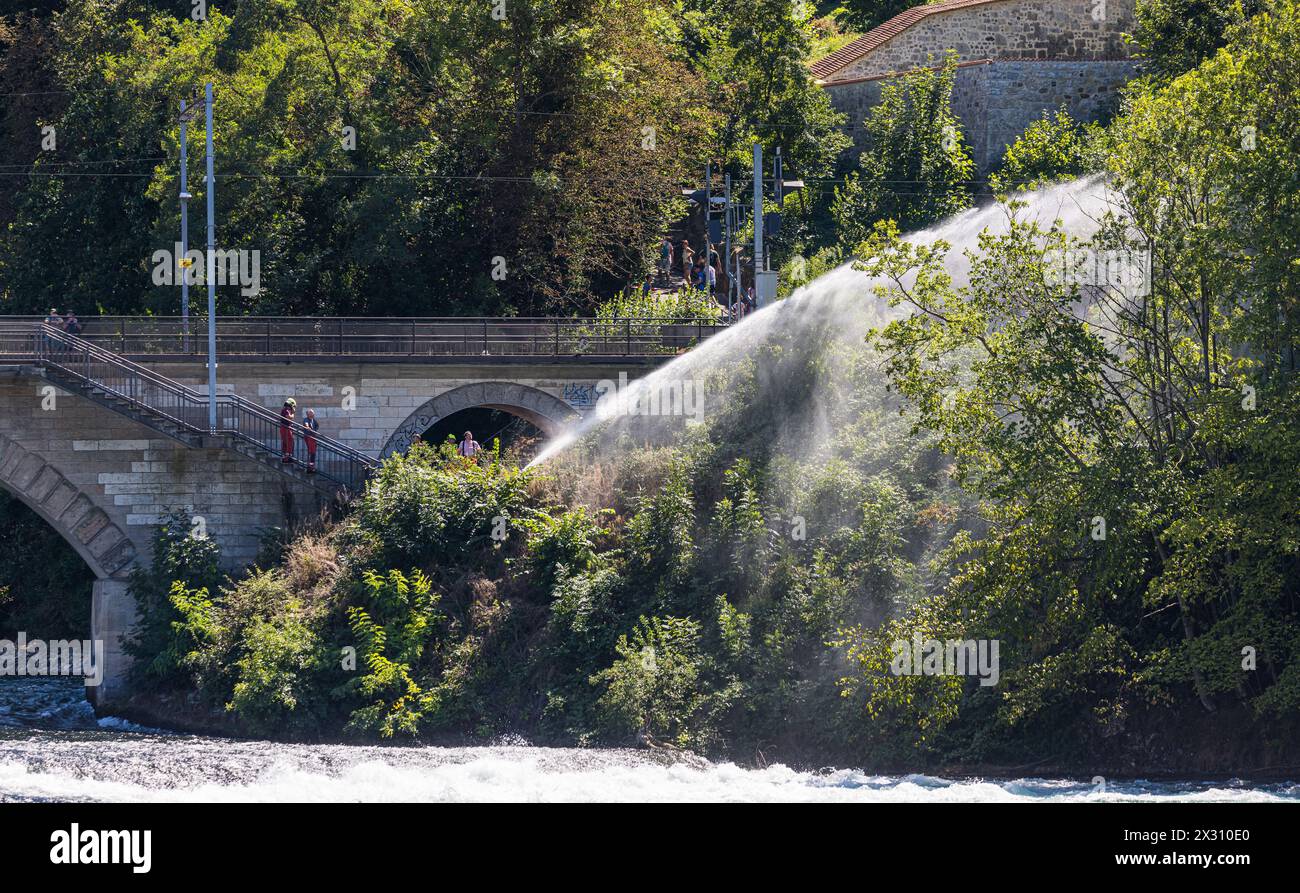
(852, 52)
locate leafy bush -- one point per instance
(394, 625)
(566, 543)
(182, 571)
(654, 688)
(426, 506)
(1055, 147)
(275, 672)
(916, 168)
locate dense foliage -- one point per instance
(1055, 147)
(916, 168)
(385, 158)
(1137, 457)
(1177, 35)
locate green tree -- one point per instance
(867, 14)
(1055, 147)
(173, 595)
(916, 168)
(1177, 35)
(553, 140)
(1114, 427)
(753, 59)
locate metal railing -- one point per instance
(417, 337)
(241, 420)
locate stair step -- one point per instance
(155, 420)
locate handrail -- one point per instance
(198, 323)
(415, 337)
(237, 417)
(242, 403)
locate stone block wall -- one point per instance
(105, 481)
(1015, 94)
(1005, 29)
(996, 101)
(384, 396)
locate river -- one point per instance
(53, 748)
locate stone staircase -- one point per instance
(182, 414)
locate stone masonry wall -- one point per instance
(996, 101)
(1018, 93)
(87, 469)
(387, 395)
(1010, 29)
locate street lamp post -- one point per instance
(182, 262)
(210, 265)
(210, 185)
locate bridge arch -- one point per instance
(43, 488)
(548, 412)
(100, 542)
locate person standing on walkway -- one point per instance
(469, 447)
(71, 324)
(53, 320)
(310, 427)
(287, 413)
(688, 260)
(666, 259)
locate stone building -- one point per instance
(1016, 60)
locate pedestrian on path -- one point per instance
(666, 259)
(287, 413)
(469, 447)
(310, 427)
(53, 320)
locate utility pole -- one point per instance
(758, 213)
(708, 215)
(210, 267)
(182, 262)
(764, 280)
(726, 238)
(778, 183)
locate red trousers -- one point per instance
(286, 440)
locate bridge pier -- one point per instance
(112, 616)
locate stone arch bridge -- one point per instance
(106, 435)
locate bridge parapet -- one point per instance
(413, 339)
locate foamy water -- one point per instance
(330, 773)
(50, 756)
